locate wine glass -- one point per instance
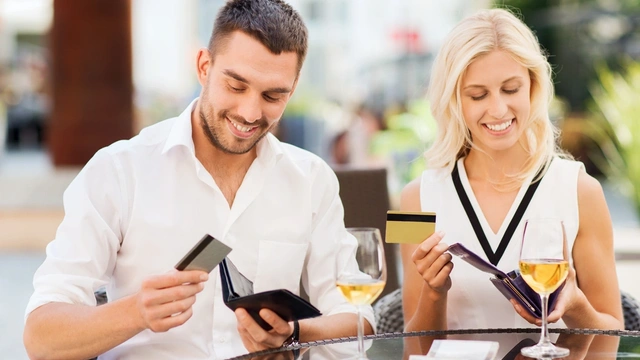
(362, 281)
(544, 266)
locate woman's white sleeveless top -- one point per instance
(473, 302)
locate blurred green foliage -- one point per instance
(407, 136)
(629, 345)
(577, 34)
(615, 125)
(302, 103)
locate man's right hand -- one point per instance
(165, 301)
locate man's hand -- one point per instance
(165, 301)
(255, 338)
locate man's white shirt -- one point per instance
(139, 205)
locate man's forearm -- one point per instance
(68, 331)
(332, 326)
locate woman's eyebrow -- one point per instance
(517, 77)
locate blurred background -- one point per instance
(77, 75)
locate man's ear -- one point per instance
(203, 65)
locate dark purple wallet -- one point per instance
(510, 284)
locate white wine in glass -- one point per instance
(361, 292)
(544, 266)
(544, 276)
(362, 282)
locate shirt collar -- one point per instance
(180, 133)
(269, 149)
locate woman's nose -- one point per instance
(498, 107)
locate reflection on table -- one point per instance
(390, 346)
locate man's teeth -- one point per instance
(241, 128)
(499, 127)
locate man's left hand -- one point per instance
(255, 338)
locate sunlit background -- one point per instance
(77, 75)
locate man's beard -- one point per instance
(213, 127)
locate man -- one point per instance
(139, 205)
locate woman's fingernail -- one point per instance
(441, 233)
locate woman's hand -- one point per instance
(569, 298)
(434, 263)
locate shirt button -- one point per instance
(221, 340)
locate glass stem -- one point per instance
(544, 337)
(361, 351)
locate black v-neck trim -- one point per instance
(493, 258)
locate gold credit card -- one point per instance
(409, 227)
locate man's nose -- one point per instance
(250, 109)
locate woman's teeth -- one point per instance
(499, 127)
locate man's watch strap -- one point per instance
(294, 339)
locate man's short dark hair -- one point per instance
(272, 22)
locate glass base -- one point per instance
(544, 351)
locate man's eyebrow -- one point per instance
(279, 90)
(235, 75)
(238, 77)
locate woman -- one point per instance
(489, 92)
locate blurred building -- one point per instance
(21, 22)
(356, 47)
(360, 50)
(374, 48)
(23, 72)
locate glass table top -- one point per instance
(618, 344)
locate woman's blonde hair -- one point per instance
(477, 35)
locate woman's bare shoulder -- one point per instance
(589, 190)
